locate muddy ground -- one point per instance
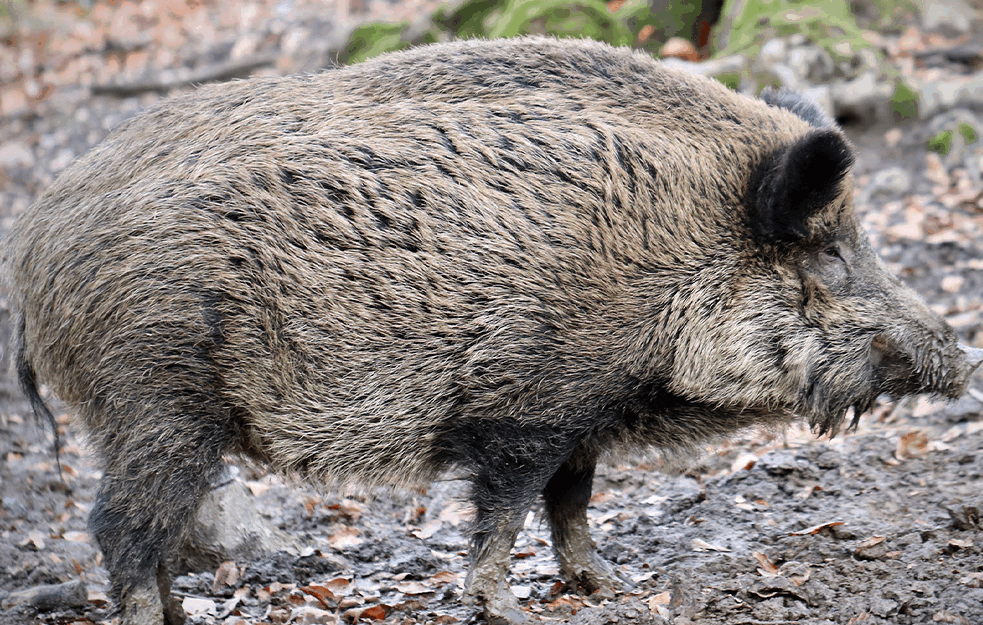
(879, 526)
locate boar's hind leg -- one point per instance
(157, 469)
(567, 495)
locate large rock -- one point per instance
(229, 526)
(955, 17)
(49, 597)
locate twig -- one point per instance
(236, 68)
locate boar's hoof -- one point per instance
(592, 574)
(499, 606)
(173, 612)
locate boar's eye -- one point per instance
(833, 253)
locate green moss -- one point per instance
(941, 143)
(967, 131)
(829, 24)
(372, 39)
(731, 80)
(904, 100)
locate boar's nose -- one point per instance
(973, 355)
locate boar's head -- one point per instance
(812, 323)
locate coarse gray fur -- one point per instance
(507, 257)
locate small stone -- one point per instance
(14, 155)
(679, 48)
(195, 606)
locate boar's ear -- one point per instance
(792, 184)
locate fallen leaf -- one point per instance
(702, 545)
(429, 529)
(522, 592)
(912, 445)
(815, 529)
(663, 598)
(345, 537)
(376, 612)
(768, 567)
(413, 588)
(227, 574)
(321, 593)
(870, 542)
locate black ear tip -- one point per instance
(827, 149)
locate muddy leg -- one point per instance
(154, 478)
(490, 554)
(567, 494)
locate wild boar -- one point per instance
(503, 257)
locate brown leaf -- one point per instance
(911, 445)
(376, 612)
(444, 577)
(321, 593)
(414, 588)
(663, 598)
(345, 536)
(768, 567)
(227, 574)
(815, 529)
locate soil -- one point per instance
(878, 526)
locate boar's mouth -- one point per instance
(891, 369)
(826, 406)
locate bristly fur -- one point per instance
(798, 104)
(506, 257)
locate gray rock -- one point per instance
(229, 526)
(867, 96)
(49, 597)
(941, 95)
(951, 16)
(890, 183)
(961, 151)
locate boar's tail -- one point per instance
(29, 384)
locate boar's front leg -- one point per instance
(511, 465)
(567, 494)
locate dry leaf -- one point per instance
(321, 593)
(911, 445)
(345, 537)
(768, 568)
(870, 542)
(663, 598)
(702, 545)
(414, 588)
(429, 529)
(227, 574)
(376, 612)
(815, 529)
(444, 577)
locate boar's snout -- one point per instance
(904, 370)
